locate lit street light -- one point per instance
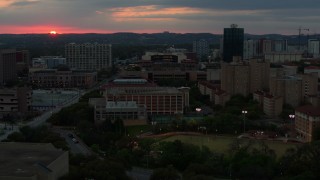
(291, 116)
(244, 112)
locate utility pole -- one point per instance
(301, 29)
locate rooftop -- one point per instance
(24, 159)
(309, 110)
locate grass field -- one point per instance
(136, 130)
(222, 144)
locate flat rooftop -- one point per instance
(142, 90)
(26, 159)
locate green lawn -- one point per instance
(222, 144)
(136, 130)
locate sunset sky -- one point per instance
(148, 16)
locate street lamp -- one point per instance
(291, 116)
(244, 112)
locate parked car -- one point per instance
(75, 140)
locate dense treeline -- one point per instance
(40, 134)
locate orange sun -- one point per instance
(53, 32)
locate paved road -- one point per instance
(75, 148)
(40, 120)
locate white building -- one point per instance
(88, 56)
(250, 48)
(314, 47)
(281, 57)
(280, 46)
(49, 62)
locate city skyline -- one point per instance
(145, 16)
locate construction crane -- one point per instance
(301, 29)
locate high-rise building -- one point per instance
(201, 48)
(243, 78)
(279, 45)
(250, 48)
(265, 46)
(88, 56)
(314, 47)
(8, 66)
(232, 42)
(235, 78)
(259, 74)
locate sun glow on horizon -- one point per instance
(53, 32)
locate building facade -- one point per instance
(233, 38)
(281, 57)
(157, 100)
(89, 57)
(8, 66)
(218, 96)
(49, 62)
(201, 48)
(307, 120)
(128, 111)
(15, 100)
(314, 47)
(271, 105)
(294, 89)
(235, 78)
(62, 79)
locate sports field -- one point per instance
(51, 98)
(222, 144)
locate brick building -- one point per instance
(62, 79)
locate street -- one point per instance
(75, 148)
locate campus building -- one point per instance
(49, 62)
(128, 111)
(32, 161)
(307, 120)
(158, 100)
(88, 57)
(158, 75)
(62, 79)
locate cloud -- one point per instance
(151, 12)
(24, 3)
(99, 12)
(256, 16)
